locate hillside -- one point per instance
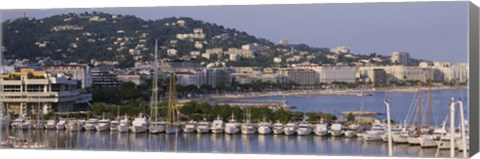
(127, 39)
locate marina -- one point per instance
(231, 136)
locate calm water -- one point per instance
(399, 103)
(219, 143)
(268, 144)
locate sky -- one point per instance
(436, 31)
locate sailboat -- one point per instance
(155, 126)
(173, 125)
(39, 122)
(427, 140)
(415, 133)
(248, 127)
(232, 126)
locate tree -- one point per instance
(350, 117)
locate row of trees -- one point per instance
(194, 110)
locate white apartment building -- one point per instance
(336, 73)
(81, 73)
(31, 91)
(401, 58)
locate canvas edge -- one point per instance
(474, 75)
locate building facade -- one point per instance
(401, 58)
(31, 91)
(82, 73)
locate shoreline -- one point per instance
(344, 92)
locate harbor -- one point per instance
(317, 139)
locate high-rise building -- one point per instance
(401, 58)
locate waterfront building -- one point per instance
(401, 58)
(82, 73)
(378, 76)
(302, 76)
(329, 74)
(214, 76)
(29, 91)
(460, 72)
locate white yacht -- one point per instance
(91, 124)
(427, 141)
(114, 125)
(190, 127)
(277, 128)
(103, 125)
(27, 125)
(139, 124)
(74, 126)
(5, 119)
(264, 128)
(232, 126)
(400, 138)
(290, 128)
(51, 124)
(203, 127)
(217, 126)
(62, 124)
(17, 123)
(39, 124)
(304, 129)
(173, 128)
(157, 127)
(350, 133)
(124, 125)
(321, 130)
(336, 130)
(248, 128)
(375, 133)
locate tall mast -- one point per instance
(172, 103)
(419, 108)
(154, 105)
(430, 107)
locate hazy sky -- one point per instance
(428, 30)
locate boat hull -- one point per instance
(101, 127)
(138, 129)
(303, 132)
(336, 133)
(277, 131)
(264, 130)
(350, 134)
(289, 131)
(203, 130)
(427, 142)
(413, 141)
(122, 129)
(372, 137)
(321, 132)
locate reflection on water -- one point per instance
(219, 143)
